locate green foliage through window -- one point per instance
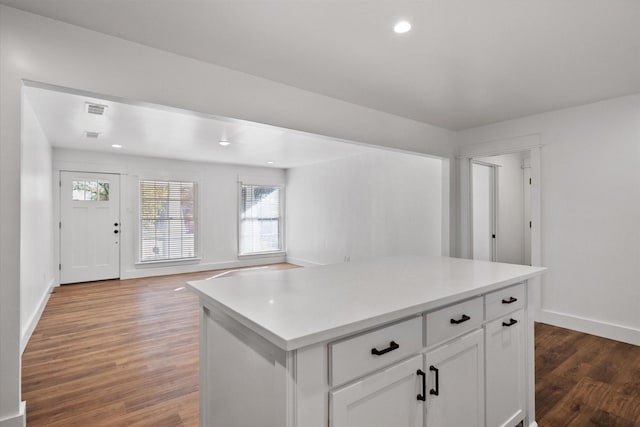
(90, 190)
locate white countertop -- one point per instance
(299, 307)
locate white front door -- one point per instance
(89, 226)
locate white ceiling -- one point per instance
(465, 63)
(156, 131)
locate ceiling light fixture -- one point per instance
(224, 143)
(116, 146)
(402, 27)
(269, 162)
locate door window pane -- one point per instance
(103, 190)
(84, 189)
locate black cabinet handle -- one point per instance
(511, 322)
(115, 224)
(115, 231)
(511, 300)
(424, 385)
(392, 346)
(435, 391)
(463, 319)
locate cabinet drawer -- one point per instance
(356, 356)
(454, 320)
(504, 301)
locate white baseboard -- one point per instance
(590, 326)
(35, 317)
(17, 420)
(149, 271)
(302, 262)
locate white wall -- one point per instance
(217, 187)
(37, 272)
(366, 206)
(510, 231)
(590, 209)
(44, 50)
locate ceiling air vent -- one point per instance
(97, 109)
(90, 134)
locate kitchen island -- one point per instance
(398, 341)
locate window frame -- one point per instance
(197, 257)
(281, 218)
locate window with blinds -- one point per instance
(167, 220)
(260, 219)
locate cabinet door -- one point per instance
(505, 370)
(387, 398)
(455, 386)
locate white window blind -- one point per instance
(167, 220)
(260, 222)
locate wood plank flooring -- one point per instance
(583, 380)
(117, 353)
(125, 353)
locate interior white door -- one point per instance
(527, 214)
(483, 208)
(89, 226)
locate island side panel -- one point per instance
(244, 379)
(530, 357)
(312, 386)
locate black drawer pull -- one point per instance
(424, 385)
(463, 319)
(511, 323)
(392, 346)
(435, 391)
(511, 300)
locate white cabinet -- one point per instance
(387, 398)
(455, 383)
(505, 370)
(468, 352)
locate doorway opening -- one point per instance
(501, 208)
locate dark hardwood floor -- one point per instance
(584, 380)
(125, 353)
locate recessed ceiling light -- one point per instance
(116, 146)
(402, 27)
(224, 143)
(269, 162)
